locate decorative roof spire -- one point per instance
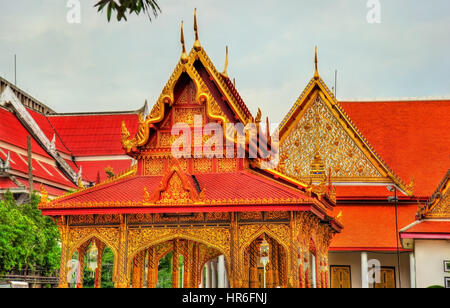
(197, 45)
(225, 70)
(184, 56)
(316, 72)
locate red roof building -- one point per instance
(362, 147)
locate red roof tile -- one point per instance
(91, 169)
(14, 133)
(412, 137)
(240, 185)
(19, 163)
(442, 227)
(7, 183)
(48, 130)
(93, 135)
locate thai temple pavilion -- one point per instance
(318, 218)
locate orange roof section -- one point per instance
(412, 137)
(371, 227)
(430, 227)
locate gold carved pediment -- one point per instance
(319, 142)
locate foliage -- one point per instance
(126, 7)
(28, 240)
(107, 271)
(436, 287)
(165, 272)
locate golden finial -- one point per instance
(44, 195)
(225, 73)
(80, 184)
(316, 72)
(184, 56)
(146, 195)
(258, 116)
(197, 45)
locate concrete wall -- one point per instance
(430, 256)
(388, 259)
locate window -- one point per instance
(387, 278)
(341, 277)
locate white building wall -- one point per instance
(430, 257)
(388, 259)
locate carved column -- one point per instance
(138, 270)
(63, 228)
(235, 268)
(188, 261)
(307, 270)
(80, 273)
(194, 271)
(270, 265)
(253, 255)
(152, 270)
(175, 265)
(122, 279)
(98, 270)
(293, 278)
(276, 264)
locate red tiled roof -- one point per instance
(240, 185)
(371, 226)
(93, 135)
(412, 137)
(48, 130)
(19, 163)
(52, 191)
(6, 183)
(430, 227)
(14, 133)
(91, 169)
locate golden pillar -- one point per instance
(292, 254)
(307, 270)
(194, 267)
(187, 277)
(80, 273)
(270, 265)
(65, 259)
(122, 277)
(253, 255)
(236, 269)
(276, 264)
(138, 270)
(152, 269)
(98, 270)
(175, 265)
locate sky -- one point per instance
(101, 66)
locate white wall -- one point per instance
(430, 256)
(388, 259)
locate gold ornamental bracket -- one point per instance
(175, 188)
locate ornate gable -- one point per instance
(317, 136)
(175, 188)
(439, 206)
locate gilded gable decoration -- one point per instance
(317, 134)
